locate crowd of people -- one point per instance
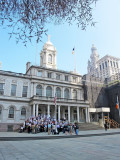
(46, 124)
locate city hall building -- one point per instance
(32, 94)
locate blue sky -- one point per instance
(105, 36)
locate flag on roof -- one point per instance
(73, 50)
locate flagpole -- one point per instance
(117, 105)
(73, 52)
(75, 63)
(55, 114)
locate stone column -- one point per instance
(58, 113)
(63, 113)
(86, 115)
(102, 117)
(78, 114)
(54, 91)
(48, 110)
(34, 110)
(34, 89)
(72, 118)
(37, 110)
(44, 111)
(69, 114)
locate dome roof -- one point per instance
(49, 46)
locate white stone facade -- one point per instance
(32, 94)
(104, 67)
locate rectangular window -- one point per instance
(24, 93)
(66, 78)
(103, 65)
(111, 63)
(39, 74)
(114, 64)
(100, 67)
(1, 88)
(58, 76)
(74, 79)
(117, 64)
(49, 75)
(13, 90)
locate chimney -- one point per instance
(27, 66)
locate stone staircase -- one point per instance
(112, 123)
(89, 126)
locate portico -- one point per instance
(69, 112)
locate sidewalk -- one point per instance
(61, 135)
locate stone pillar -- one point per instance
(63, 112)
(34, 110)
(54, 91)
(69, 114)
(44, 111)
(86, 115)
(37, 110)
(58, 113)
(34, 89)
(48, 110)
(102, 117)
(78, 118)
(72, 116)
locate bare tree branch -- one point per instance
(28, 18)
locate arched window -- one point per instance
(23, 111)
(66, 93)
(11, 112)
(48, 91)
(58, 92)
(39, 90)
(74, 94)
(50, 58)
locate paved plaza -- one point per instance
(97, 145)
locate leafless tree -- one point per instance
(28, 18)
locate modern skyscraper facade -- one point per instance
(104, 67)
